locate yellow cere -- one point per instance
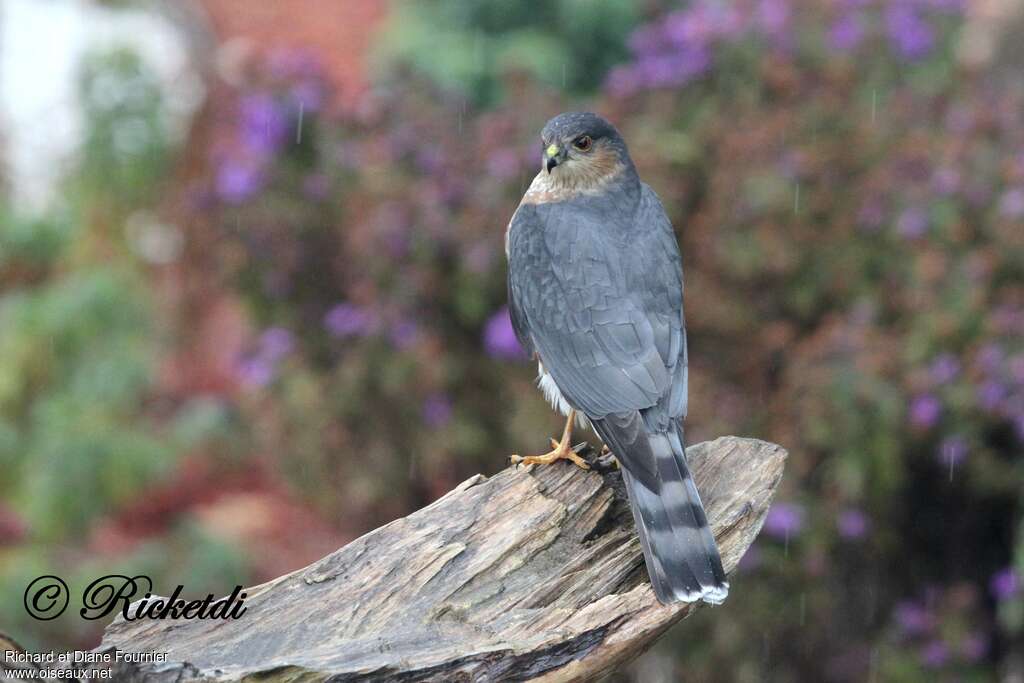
(552, 150)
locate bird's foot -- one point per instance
(561, 450)
(606, 457)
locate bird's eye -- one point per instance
(583, 143)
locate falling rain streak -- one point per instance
(950, 455)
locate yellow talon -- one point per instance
(560, 450)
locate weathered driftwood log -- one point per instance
(533, 573)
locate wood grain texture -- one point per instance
(534, 573)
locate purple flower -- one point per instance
(404, 334)
(944, 368)
(924, 411)
(690, 27)
(500, 339)
(910, 35)
(912, 618)
(348, 320)
(255, 371)
(702, 23)
(953, 450)
(309, 95)
(946, 180)
(237, 181)
(784, 520)
(275, 343)
(1004, 584)
(912, 223)
(396, 241)
(437, 410)
(846, 33)
(852, 524)
(935, 654)
(728, 20)
(1011, 204)
(675, 70)
(693, 62)
(647, 39)
(430, 159)
(991, 394)
(772, 16)
(263, 125)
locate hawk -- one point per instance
(595, 285)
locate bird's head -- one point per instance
(580, 150)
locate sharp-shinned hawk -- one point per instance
(596, 295)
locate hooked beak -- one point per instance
(552, 157)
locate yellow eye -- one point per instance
(583, 143)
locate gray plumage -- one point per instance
(595, 291)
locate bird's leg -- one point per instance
(561, 450)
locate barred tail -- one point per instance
(680, 551)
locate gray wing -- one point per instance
(523, 216)
(603, 305)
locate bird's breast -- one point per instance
(554, 396)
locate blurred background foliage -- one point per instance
(222, 357)
(566, 44)
(82, 433)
